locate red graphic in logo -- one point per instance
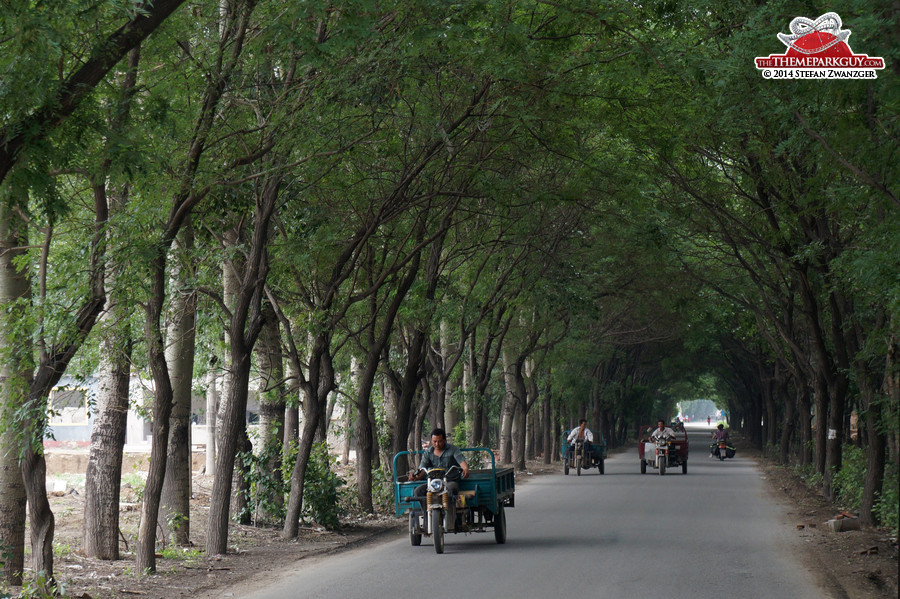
(818, 50)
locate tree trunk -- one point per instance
(821, 404)
(529, 435)
(162, 407)
(14, 376)
(232, 272)
(521, 413)
(841, 315)
(833, 449)
(292, 411)
(804, 419)
(234, 26)
(233, 423)
(245, 326)
(507, 411)
(547, 426)
(366, 441)
(315, 390)
(271, 394)
(365, 438)
(103, 477)
(298, 475)
(376, 451)
(415, 360)
(239, 507)
(104, 469)
(875, 459)
(468, 386)
(212, 410)
(482, 423)
(771, 433)
(390, 394)
(788, 426)
(347, 436)
(175, 501)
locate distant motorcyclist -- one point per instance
(720, 434)
(582, 432)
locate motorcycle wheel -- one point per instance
(662, 467)
(643, 467)
(437, 530)
(721, 456)
(578, 465)
(415, 539)
(500, 526)
(566, 466)
(600, 466)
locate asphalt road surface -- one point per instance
(714, 532)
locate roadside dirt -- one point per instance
(853, 565)
(186, 571)
(858, 564)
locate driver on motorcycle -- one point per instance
(440, 455)
(662, 431)
(582, 432)
(720, 434)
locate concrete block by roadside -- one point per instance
(843, 524)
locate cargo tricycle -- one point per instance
(479, 506)
(663, 454)
(580, 455)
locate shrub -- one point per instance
(265, 487)
(322, 488)
(383, 490)
(848, 482)
(41, 587)
(888, 500)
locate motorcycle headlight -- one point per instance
(435, 485)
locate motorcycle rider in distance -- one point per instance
(662, 431)
(720, 434)
(582, 432)
(440, 455)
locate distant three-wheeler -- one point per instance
(580, 455)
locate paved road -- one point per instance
(711, 533)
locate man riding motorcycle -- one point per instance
(440, 455)
(662, 431)
(582, 432)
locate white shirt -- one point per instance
(666, 432)
(588, 435)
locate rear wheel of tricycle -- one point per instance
(600, 466)
(415, 539)
(437, 530)
(662, 467)
(684, 467)
(643, 467)
(500, 526)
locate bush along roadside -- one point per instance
(848, 484)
